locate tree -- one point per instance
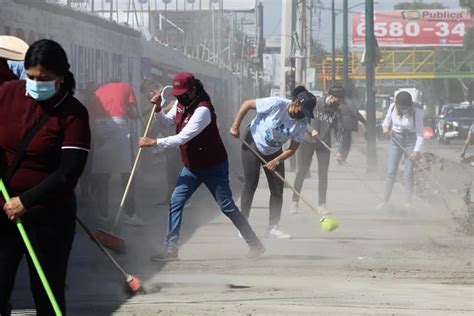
(469, 36)
(468, 4)
(418, 5)
(317, 53)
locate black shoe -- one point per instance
(169, 254)
(256, 250)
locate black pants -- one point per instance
(52, 244)
(305, 156)
(346, 143)
(251, 166)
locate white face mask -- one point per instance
(41, 90)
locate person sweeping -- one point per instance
(204, 158)
(277, 121)
(407, 136)
(327, 118)
(41, 170)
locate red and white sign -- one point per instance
(404, 28)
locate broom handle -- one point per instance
(132, 173)
(280, 177)
(422, 168)
(353, 172)
(32, 254)
(102, 248)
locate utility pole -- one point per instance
(370, 84)
(286, 32)
(220, 40)
(309, 39)
(333, 43)
(345, 44)
(259, 47)
(300, 26)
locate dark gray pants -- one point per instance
(251, 165)
(305, 156)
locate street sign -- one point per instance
(409, 28)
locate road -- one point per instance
(377, 262)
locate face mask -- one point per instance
(184, 100)
(40, 90)
(298, 116)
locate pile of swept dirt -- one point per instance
(439, 180)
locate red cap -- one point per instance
(182, 83)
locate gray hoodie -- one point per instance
(326, 118)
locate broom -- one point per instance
(327, 223)
(134, 285)
(108, 238)
(32, 254)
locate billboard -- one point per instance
(408, 28)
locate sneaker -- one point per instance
(294, 207)
(381, 206)
(133, 220)
(275, 232)
(323, 210)
(169, 254)
(256, 251)
(240, 235)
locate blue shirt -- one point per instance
(18, 68)
(273, 126)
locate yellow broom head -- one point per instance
(328, 224)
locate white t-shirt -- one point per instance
(406, 123)
(272, 127)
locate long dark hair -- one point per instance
(201, 94)
(50, 55)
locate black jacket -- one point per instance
(351, 116)
(326, 118)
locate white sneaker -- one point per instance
(133, 220)
(294, 209)
(323, 210)
(275, 232)
(240, 236)
(381, 206)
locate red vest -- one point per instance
(206, 149)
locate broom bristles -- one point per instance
(111, 241)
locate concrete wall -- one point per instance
(100, 50)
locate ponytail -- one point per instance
(69, 83)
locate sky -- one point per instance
(272, 17)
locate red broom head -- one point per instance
(134, 284)
(111, 241)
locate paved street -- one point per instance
(381, 263)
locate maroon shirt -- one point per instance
(68, 126)
(206, 149)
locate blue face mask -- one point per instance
(40, 90)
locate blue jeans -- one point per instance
(407, 141)
(216, 179)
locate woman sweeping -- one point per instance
(407, 137)
(277, 121)
(42, 184)
(204, 158)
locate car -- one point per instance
(454, 123)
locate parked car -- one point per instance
(454, 123)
